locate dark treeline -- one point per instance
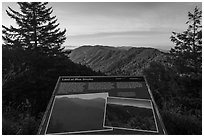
(27, 89)
(177, 84)
(32, 60)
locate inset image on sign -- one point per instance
(77, 113)
(130, 114)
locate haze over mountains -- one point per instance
(116, 60)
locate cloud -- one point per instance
(122, 33)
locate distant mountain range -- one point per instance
(116, 60)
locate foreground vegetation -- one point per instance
(31, 66)
(179, 99)
(177, 83)
(27, 92)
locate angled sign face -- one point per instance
(101, 105)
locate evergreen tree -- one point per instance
(187, 54)
(37, 30)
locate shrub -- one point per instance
(9, 127)
(177, 124)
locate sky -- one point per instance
(130, 102)
(137, 24)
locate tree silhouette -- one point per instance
(37, 30)
(187, 54)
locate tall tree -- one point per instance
(187, 54)
(37, 30)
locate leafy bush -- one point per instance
(25, 126)
(178, 97)
(177, 124)
(14, 121)
(29, 87)
(9, 127)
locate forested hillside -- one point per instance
(27, 89)
(30, 69)
(177, 84)
(116, 61)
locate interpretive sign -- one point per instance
(101, 105)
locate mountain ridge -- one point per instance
(116, 61)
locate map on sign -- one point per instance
(101, 105)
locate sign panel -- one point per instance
(101, 105)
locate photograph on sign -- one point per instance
(130, 114)
(77, 113)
